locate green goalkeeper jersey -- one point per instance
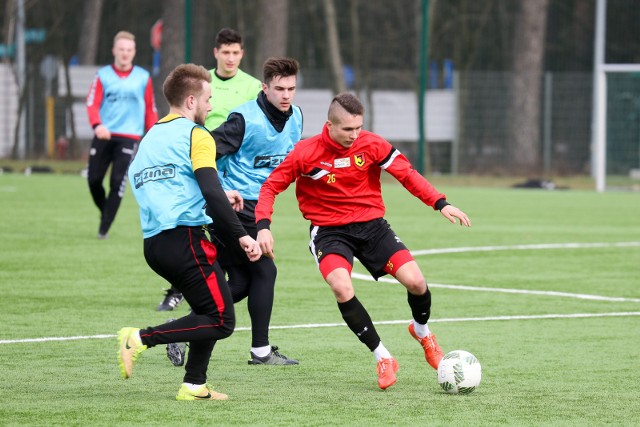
(228, 94)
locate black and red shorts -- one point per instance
(372, 242)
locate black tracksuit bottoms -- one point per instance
(187, 260)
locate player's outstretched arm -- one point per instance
(451, 213)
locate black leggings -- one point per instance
(117, 153)
(255, 281)
(186, 259)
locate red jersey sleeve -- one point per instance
(400, 168)
(94, 100)
(278, 181)
(151, 113)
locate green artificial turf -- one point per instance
(555, 327)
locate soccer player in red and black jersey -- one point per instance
(337, 175)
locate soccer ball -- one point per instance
(459, 372)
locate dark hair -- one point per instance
(349, 102)
(228, 36)
(279, 67)
(184, 80)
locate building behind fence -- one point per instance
(466, 125)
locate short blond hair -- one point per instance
(124, 35)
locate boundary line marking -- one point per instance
(383, 322)
(367, 277)
(456, 287)
(525, 247)
(506, 290)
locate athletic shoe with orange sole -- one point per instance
(432, 351)
(387, 369)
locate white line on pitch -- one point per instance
(383, 322)
(525, 247)
(517, 247)
(506, 290)
(458, 287)
(475, 319)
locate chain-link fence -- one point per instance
(478, 143)
(483, 128)
(468, 118)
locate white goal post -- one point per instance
(601, 69)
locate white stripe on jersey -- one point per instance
(317, 175)
(386, 164)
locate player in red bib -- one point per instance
(337, 176)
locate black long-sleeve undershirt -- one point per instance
(218, 206)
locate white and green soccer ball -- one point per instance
(459, 372)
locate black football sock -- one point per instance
(358, 320)
(420, 306)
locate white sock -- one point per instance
(421, 330)
(193, 387)
(381, 352)
(261, 351)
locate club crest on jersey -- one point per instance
(359, 160)
(342, 163)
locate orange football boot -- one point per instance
(387, 369)
(432, 351)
